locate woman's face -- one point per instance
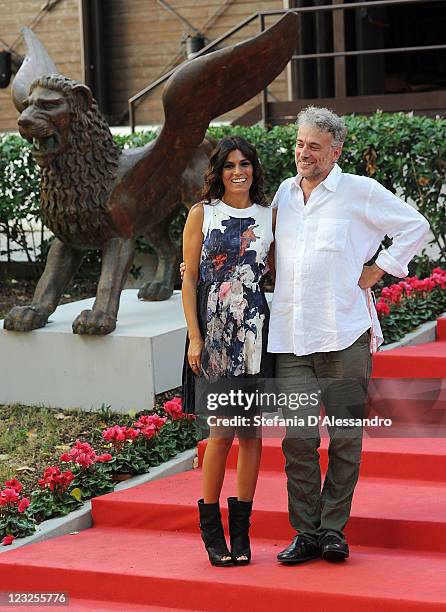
(237, 173)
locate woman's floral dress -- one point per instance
(232, 310)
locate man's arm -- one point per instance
(400, 221)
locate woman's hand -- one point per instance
(194, 354)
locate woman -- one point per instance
(227, 239)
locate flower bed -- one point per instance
(83, 473)
(405, 305)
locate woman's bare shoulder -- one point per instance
(197, 211)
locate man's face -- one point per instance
(315, 155)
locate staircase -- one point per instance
(145, 553)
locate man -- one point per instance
(323, 322)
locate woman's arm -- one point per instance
(192, 243)
(272, 250)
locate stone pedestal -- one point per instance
(124, 370)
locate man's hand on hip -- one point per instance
(370, 276)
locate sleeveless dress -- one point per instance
(233, 314)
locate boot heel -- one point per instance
(239, 524)
(213, 535)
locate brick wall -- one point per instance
(59, 31)
(143, 40)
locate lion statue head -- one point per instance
(77, 155)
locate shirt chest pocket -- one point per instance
(331, 234)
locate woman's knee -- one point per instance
(221, 440)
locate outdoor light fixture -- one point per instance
(194, 43)
(5, 68)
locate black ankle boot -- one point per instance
(239, 513)
(212, 534)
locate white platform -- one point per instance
(54, 367)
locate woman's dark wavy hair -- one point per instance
(213, 183)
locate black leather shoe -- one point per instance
(299, 551)
(334, 549)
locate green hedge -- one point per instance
(403, 152)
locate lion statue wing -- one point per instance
(209, 86)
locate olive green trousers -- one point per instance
(339, 379)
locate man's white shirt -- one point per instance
(321, 247)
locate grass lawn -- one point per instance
(33, 437)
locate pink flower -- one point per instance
(174, 408)
(65, 457)
(14, 484)
(23, 504)
(7, 540)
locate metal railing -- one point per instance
(336, 55)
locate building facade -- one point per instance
(391, 56)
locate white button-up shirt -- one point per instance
(321, 247)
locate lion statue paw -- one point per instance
(94, 322)
(25, 318)
(155, 291)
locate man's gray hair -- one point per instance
(326, 121)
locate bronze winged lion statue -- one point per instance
(94, 196)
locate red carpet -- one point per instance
(144, 551)
(420, 361)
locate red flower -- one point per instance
(149, 431)
(393, 293)
(82, 453)
(10, 496)
(104, 458)
(382, 308)
(119, 434)
(174, 408)
(7, 540)
(150, 420)
(439, 279)
(132, 433)
(55, 480)
(14, 484)
(23, 504)
(84, 460)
